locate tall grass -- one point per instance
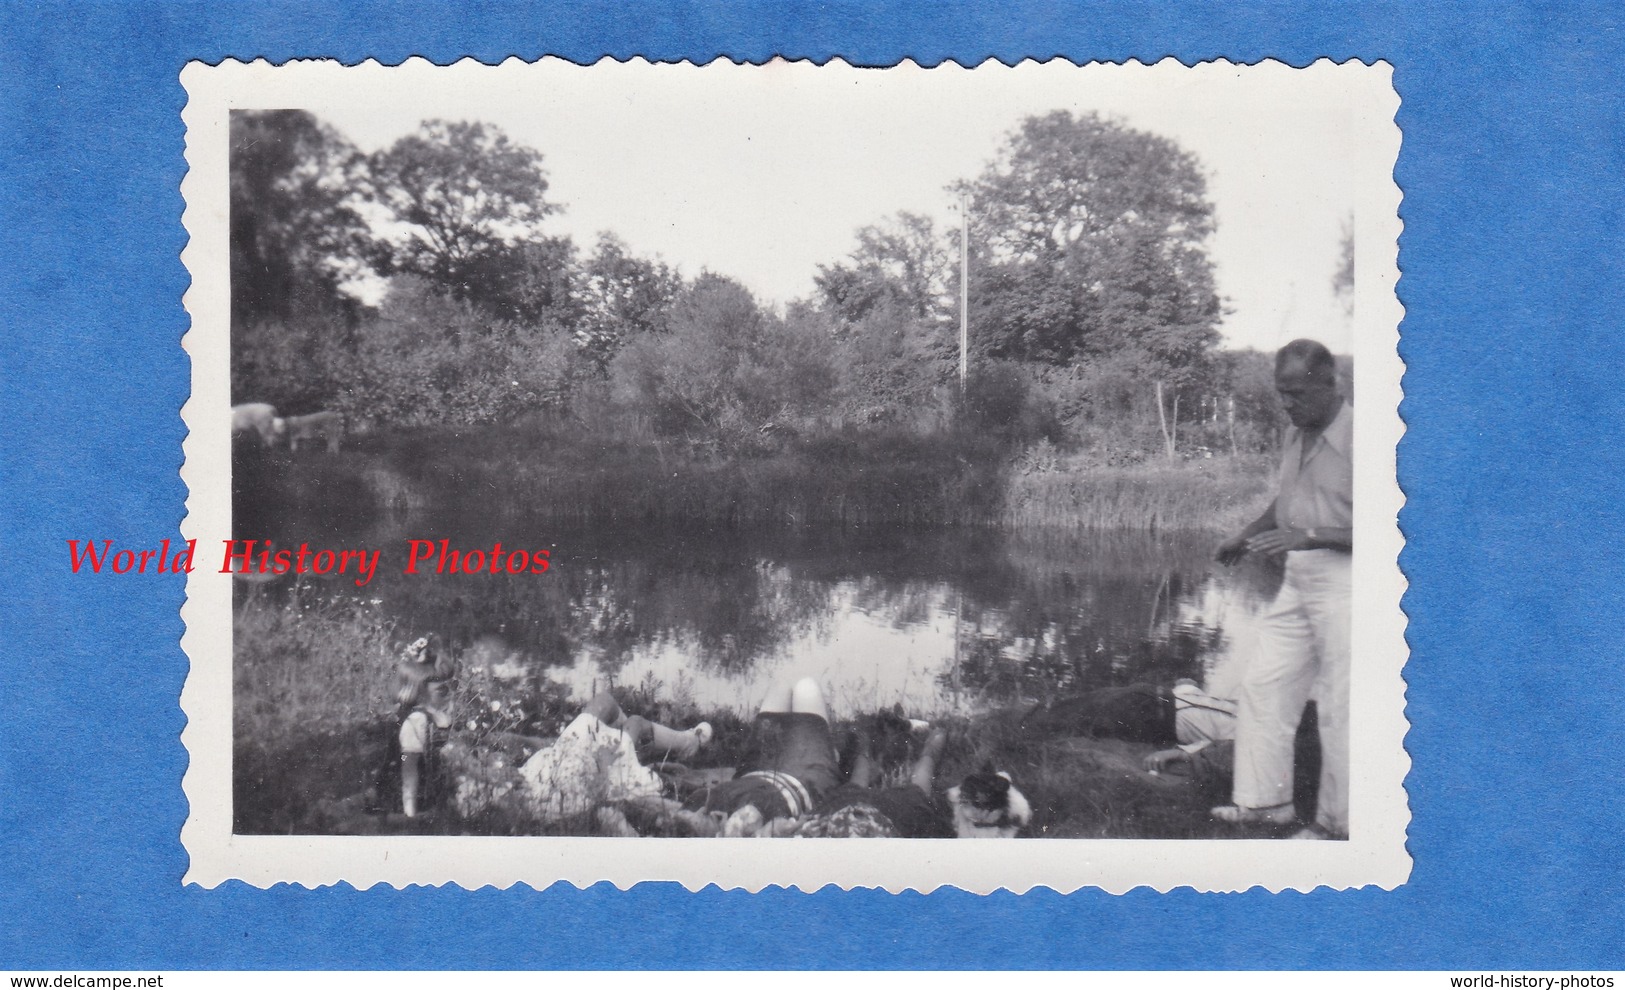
(1221, 493)
(308, 692)
(304, 663)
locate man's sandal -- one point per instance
(1280, 814)
(1316, 832)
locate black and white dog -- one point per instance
(988, 806)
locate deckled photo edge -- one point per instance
(1377, 858)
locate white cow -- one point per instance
(259, 419)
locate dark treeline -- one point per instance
(1094, 315)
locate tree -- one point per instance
(689, 378)
(1343, 277)
(623, 297)
(532, 282)
(888, 363)
(892, 302)
(1252, 411)
(1090, 238)
(295, 234)
(902, 261)
(462, 195)
(296, 238)
(1090, 243)
(725, 370)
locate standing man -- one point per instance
(1304, 635)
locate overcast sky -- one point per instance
(762, 173)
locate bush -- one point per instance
(727, 374)
(888, 370)
(294, 365)
(999, 402)
(427, 359)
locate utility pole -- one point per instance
(964, 289)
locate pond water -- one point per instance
(944, 621)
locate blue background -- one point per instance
(1511, 255)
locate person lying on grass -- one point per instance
(793, 786)
(600, 755)
(603, 756)
(793, 765)
(983, 806)
(1142, 713)
(1205, 730)
(1201, 727)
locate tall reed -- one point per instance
(1218, 494)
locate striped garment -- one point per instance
(790, 789)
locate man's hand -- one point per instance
(1164, 759)
(1232, 550)
(1278, 541)
(1237, 546)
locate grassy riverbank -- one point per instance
(307, 775)
(311, 725)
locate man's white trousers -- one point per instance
(1303, 646)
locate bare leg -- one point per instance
(648, 737)
(681, 743)
(807, 698)
(925, 768)
(863, 763)
(639, 728)
(415, 741)
(802, 697)
(411, 767)
(768, 737)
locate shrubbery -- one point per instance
(426, 359)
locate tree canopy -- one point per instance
(623, 297)
(461, 194)
(1343, 276)
(295, 234)
(903, 261)
(1090, 238)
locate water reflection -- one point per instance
(940, 620)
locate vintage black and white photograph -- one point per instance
(582, 454)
